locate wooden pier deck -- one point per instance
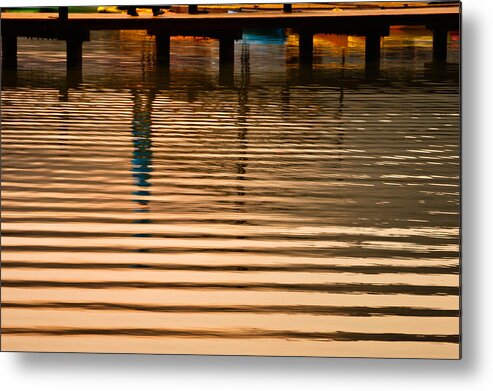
(227, 27)
(256, 19)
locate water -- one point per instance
(285, 212)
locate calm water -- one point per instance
(285, 212)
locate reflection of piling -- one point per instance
(161, 77)
(226, 75)
(9, 77)
(142, 156)
(245, 75)
(142, 148)
(340, 110)
(285, 100)
(241, 165)
(73, 79)
(305, 73)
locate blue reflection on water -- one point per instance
(142, 155)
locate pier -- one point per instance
(373, 24)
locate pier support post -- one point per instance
(372, 48)
(305, 47)
(372, 54)
(226, 50)
(162, 49)
(9, 51)
(440, 45)
(226, 60)
(74, 52)
(288, 8)
(63, 13)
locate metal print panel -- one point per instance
(259, 179)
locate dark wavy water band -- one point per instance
(262, 191)
(421, 240)
(238, 334)
(257, 309)
(453, 269)
(341, 288)
(319, 252)
(253, 221)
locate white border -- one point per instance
(74, 372)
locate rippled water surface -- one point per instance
(281, 212)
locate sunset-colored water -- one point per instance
(285, 212)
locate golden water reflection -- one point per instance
(283, 214)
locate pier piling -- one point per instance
(373, 24)
(226, 50)
(306, 47)
(440, 36)
(162, 49)
(63, 13)
(372, 54)
(9, 50)
(226, 60)
(372, 48)
(74, 51)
